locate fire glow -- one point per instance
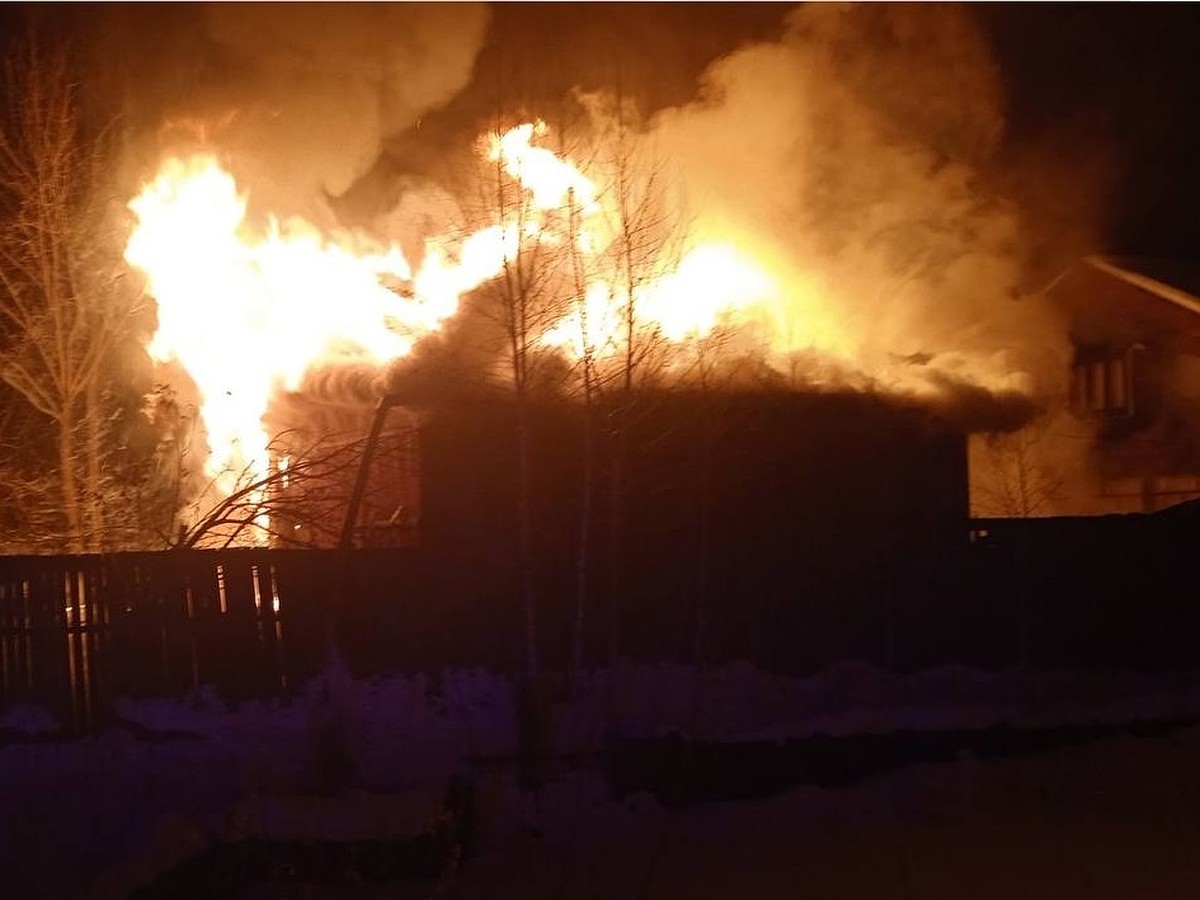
(247, 313)
(247, 309)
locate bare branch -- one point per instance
(61, 314)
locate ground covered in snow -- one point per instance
(354, 760)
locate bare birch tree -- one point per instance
(1012, 478)
(63, 310)
(525, 300)
(589, 347)
(617, 248)
(708, 373)
(646, 245)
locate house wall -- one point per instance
(783, 527)
(1126, 438)
(814, 513)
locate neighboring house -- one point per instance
(1127, 437)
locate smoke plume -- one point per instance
(854, 153)
(857, 157)
(298, 97)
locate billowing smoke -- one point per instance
(298, 97)
(321, 88)
(856, 154)
(857, 157)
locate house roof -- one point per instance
(1174, 281)
(1113, 300)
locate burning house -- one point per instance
(860, 273)
(866, 254)
(747, 521)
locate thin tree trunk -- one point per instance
(589, 449)
(525, 536)
(616, 506)
(70, 485)
(93, 490)
(585, 517)
(700, 601)
(616, 523)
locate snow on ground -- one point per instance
(1117, 819)
(112, 810)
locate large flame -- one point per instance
(549, 178)
(247, 308)
(712, 282)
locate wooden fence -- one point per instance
(78, 631)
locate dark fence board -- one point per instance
(78, 631)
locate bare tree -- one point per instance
(27, 523)
(618, 246)
(525, 300)
(1012, 478)
(301, 501)
(63, 312)
(589, 339)
(646, 245)
(708, 372)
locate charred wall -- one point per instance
(777, 526)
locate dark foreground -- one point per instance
(1004, 813)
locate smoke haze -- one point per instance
(858, 156)
(298, 97)
(855, 151)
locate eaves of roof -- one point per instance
(1178, 297)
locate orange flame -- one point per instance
(550, 179)
(712, 283)
(247, 312)
(248, 308)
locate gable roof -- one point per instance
(1175, 282)
(1108, 301)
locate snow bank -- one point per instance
(210, 764)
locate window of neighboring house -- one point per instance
(1101, 385)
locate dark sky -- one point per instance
(1116, 85)
(1124, 77)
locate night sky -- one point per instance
(1125, 80)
